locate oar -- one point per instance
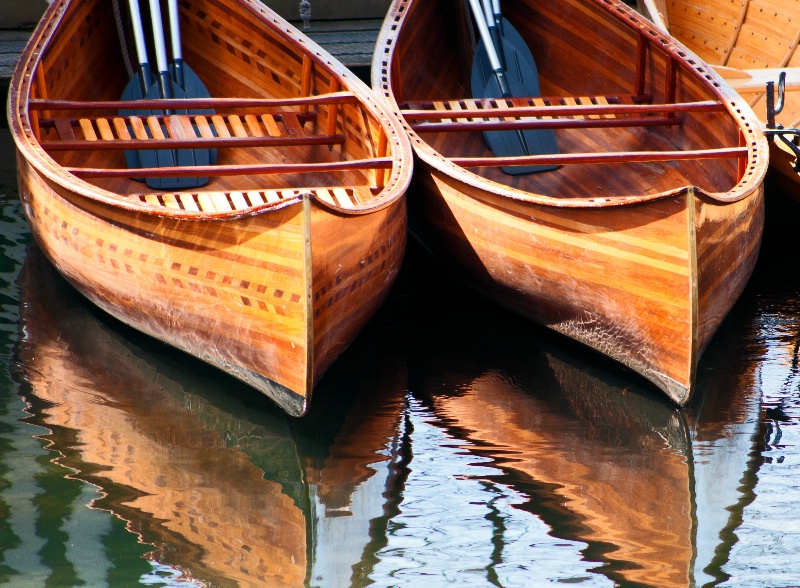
(185, 77)
(138, 86)
(165, 87)
(490, 80)
(512, 36)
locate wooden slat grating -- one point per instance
(185, 131)
(211, 202)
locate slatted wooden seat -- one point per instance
(469, 114)
(270, 125)
(502, 114)
(184, 131)
(211, 202)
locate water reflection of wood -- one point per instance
(651, 489)
(230, 491)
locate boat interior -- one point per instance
(632, 112)
(278, 118)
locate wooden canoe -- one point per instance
(270, 270)
(748, 44)
(641, 241)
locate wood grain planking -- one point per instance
(545, 244)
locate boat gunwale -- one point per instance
(745, 119)
(33, 153)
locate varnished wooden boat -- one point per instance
(748, 44)
(643, 238)
(270, 270)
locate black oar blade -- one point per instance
(174, 157)
(523, 82)
(134, 91)
(194, 88)
(512, 36)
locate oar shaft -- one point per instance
(486, 37)
(175, 41)
(161, 49)
(145, 77)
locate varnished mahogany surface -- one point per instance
(639, 244)
(270, 270)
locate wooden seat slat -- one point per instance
(255, 198)
(170, 201)
(180, 127)
(220, 126)
(203, 128)
(155, 128)
(271, 125)
(152, 199)
(236, 126)
(271, 196)
(105, 129)
(239, 202)
(253, 125)
(206, 202)
(121, 128)
(88, 129)
(138, 128)
(188, 202)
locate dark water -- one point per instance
(452, 445)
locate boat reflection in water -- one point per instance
(654, 492)
(229, 490)
(578, 461)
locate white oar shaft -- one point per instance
(174, 29)
(158, 35)
(486, 37)
(138, 31)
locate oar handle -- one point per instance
(486, 37)
(161, 49)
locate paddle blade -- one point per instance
(174, 157)
(194, 88)
(521, 142)
(134, 91)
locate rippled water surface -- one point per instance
(452, 445)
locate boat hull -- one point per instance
(254, 296)
(640, 262)
(640, 284)
(266, 272)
